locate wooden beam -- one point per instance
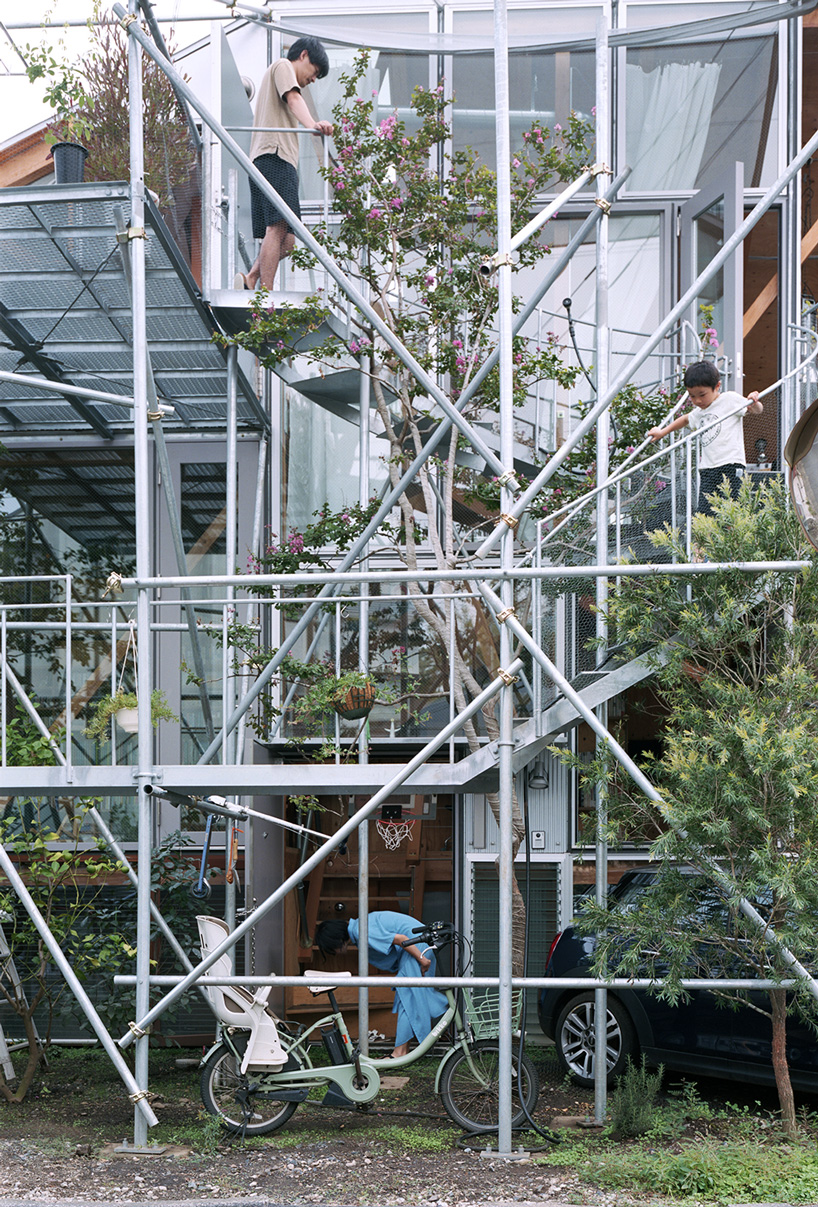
(25, 162)
(770, 291)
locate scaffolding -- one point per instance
(138, 405)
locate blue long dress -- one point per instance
(415, 1007)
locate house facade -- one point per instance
(706, 106)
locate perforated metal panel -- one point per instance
(542, 903)
(65, 313)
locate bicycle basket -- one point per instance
(482, 1011)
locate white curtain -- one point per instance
(668, 119)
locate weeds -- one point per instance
(718, 1173)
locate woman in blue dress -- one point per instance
(387, 930)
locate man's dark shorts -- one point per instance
(284, 179)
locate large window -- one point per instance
(542, 87)
(691, 110)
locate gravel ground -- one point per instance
(60, 1145)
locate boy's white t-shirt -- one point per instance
(723, 443)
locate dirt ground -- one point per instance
(60, 1144)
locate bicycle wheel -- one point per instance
(244, 1102)
(470, 1087)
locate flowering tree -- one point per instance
(414, 222)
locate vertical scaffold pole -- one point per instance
(363, 736)
(603, 430)
(144, 771)
(231, 752)
(506, 744)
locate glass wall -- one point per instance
(542, 87)
(321, 460)
(63, 512)
(391, 79)
(692, 110)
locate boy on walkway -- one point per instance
(721, 451)
(280, 103)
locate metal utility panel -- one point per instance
(549, 812)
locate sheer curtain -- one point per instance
(668, 119)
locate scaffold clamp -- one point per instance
(603, 204)
(503, 616)
(600, 169)
(508, 679)
(511, 521)
(138, 1031)
(505, 478)
(498, 260)
(113, 584)
(127, 20)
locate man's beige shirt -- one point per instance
(273, 110)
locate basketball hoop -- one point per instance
(394, 832)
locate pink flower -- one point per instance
(374, 213)
(395, 203)
(457, 343)
(515, 163)
(558, 128)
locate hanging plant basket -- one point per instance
(128, 719)
(693, 671)
(357, 703)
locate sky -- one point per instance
(21, 103)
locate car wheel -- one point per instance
(576, 1043)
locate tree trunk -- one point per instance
(778, 999)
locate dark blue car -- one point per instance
(701, 1036)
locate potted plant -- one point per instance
(357, 701)
(352, 694)
(65, 92)
(89, 96)
(123, 705)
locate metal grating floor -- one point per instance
(65, 313)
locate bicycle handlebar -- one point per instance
(435, 934)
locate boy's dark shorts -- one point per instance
(710, 481)
(284, 179)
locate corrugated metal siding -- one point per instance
(549, 809)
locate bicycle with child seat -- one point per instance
(261, 1101)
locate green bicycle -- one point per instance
(254, 1100)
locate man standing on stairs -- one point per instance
(275, 153)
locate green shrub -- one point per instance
(633, 1102)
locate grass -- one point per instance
(712, 1172)
(697, 1147)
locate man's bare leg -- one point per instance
(277, 244)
